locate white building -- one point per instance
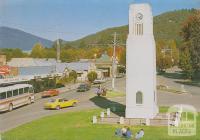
(141, 100)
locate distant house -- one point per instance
(81, 67)
(102, 66)
(104, 63)
(41, 67)
(33, 66)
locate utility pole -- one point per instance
(58, 50)
(114, 61)
(114, 67)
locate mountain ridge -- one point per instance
(167, 26)
(16, 38)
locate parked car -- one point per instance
(99, 81)
(83, 87)
(120, 75)
(50, 93)
(60, 103)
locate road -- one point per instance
(35, 111)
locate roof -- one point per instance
(77, 66)
(13, 87)
(104, 59)
(30, 62)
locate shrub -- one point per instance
(92, 76)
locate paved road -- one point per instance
(34, 111)
(173, 81)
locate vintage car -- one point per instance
(50, 93)
(83, 87)
(99, 81)
(60, 103)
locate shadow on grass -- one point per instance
(115, 107)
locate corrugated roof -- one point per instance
(77, 66)
(30, 62)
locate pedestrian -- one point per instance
(139, 134)
(118, 132)
(124, 129)
(128, 133)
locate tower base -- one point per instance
(141, 112)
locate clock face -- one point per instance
(139, 16)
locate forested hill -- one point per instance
(167, 26)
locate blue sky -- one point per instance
(73, 19)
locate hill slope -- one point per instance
(167, 26)
(14, 38)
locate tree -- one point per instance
(191, 45)
(82, 44)
(123, 58)
(13, 53)
(184, 63)
(164, 57)
(50, 53)
(92, 76)
(174, 52)
(73, 74)
(38, 51)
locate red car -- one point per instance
(50, 93)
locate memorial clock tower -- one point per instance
(141, 99)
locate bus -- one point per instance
(14, 96)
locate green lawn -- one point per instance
(113, 94)
(78, 126)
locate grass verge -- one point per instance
(113, 94)
(78, 126)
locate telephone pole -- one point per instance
(114, 61)
(58, 50)
(114, 66)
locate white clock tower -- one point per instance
(141, 100)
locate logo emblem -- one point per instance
(182, 120)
